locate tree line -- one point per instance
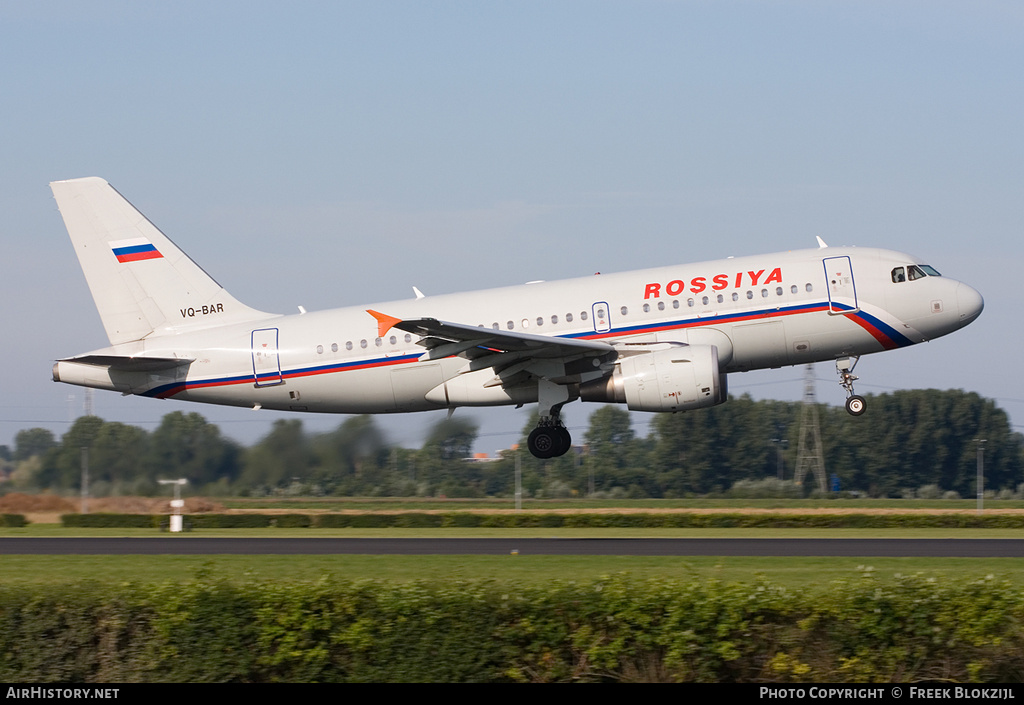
(909, 442)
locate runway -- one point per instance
(186, 545)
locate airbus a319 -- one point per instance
(659, 340)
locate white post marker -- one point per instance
(177, 521)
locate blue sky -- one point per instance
(329, 154)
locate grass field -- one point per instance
(811, 573)
(807, 573)
(336, 504)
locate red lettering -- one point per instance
(720, 281)
(675, 287)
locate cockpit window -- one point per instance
(899, 275)
(914, 272)
(930, 271)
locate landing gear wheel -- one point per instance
(856, 405)
(549, 441)
(564, 441)
(543, 442)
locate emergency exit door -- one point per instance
(266, 360)
(842, 290)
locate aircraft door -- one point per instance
(842, 291)
(266, 359)
(602, 317)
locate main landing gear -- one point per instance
(855, 404)
(550, 439)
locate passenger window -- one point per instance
(583, 315)
(408, 337)
(675, 303)
(778, 291)
(793, 289)
(334, 347)
(647, 308)
(362, 343)
(624, 311)
(319, 349)
(554, 320)
(704, 300)
(511, 325)
(393, 340)
(750, 294)
(689, 302)
(661, 305)
(348, 344)
(568, 318)
(540, 320)
(898, 275)
(809, 287)
(735, 296)
(721, 298)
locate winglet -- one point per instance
(384, 322)
(821, 243)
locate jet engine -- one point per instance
(678, 378)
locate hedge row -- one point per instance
(13, 520)
(525, 520)
(613, 629)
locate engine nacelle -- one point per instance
(679, 378)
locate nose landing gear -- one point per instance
(855, 405)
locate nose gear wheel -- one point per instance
(855, 404)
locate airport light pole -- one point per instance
(981, 473)
(519, 484)
(780, 444)
(85, 479)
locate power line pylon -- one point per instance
(809, 455)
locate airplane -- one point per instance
(657, 340)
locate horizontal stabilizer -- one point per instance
(130, 364)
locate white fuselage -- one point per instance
(761, 311)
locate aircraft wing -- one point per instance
(445, 339)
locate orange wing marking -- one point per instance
(384, 322)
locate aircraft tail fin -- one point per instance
(141, 282)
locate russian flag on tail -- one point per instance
(134, 250)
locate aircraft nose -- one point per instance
(969, 303)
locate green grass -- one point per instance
(431, 503)
(26, 571)
(56, 530)
(807, 573)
